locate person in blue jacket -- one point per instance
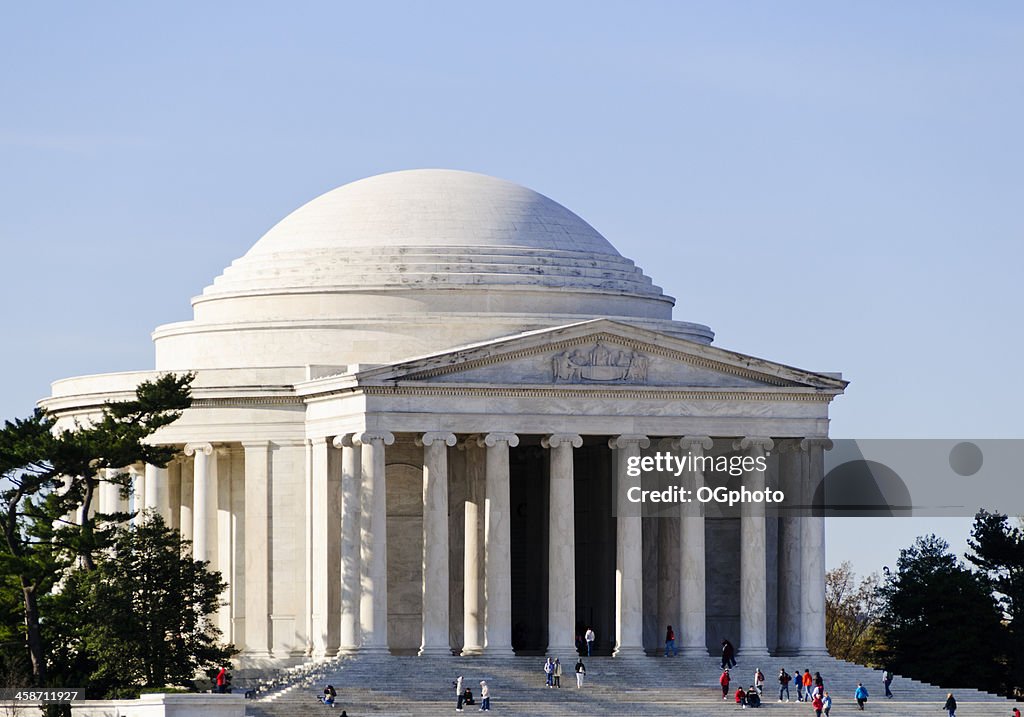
(861, 695)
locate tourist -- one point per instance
(549, 672)
(485, 697)
(861, 695)
(458, 694)
(728, 655)
(670, 642)
(808, 683)
(329, 695)
(467, 697)
(724, 682)
(222, 680)
(589, 637)
(799, 684)
(740, 696)
(751, 698)
(558, 673)
(826, 703)
(887, 681)
(1015, 712)
(819, 683)
(759, 681)
(817, 704)
(784, 679)
(950, 705)
(581, 671)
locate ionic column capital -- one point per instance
(753, 443)
(318, 440)
(194, 448)
(629, 439)
(344, 441)
(431, 437)
(790, 445)
(557, 439)
(691, 443)
(493, 439)
(368, 437)
(823, 442)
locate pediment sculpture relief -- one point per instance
(599, 364)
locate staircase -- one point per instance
(654, 686)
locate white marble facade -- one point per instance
(414, 396)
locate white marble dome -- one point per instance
(404, 263)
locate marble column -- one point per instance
(138, 495)
(222, 552)
(201, 478)
(497, 546)
(350, 536)
(629, 622)
(173, 515)
(257, 548)
(473, 601)
(185, 495)
(812, 550)
(109, 492)
(435, 640)
(155, 479)
(325, 544)
(753, 557)
(790, 483)
(692, 568)
(373, 602)
(561, 544)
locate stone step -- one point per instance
(640, 686)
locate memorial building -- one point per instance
(414, 403)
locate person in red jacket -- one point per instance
(222, 680)
(740, 696)
(808, 681)
(724, 682)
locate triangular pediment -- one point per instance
(598, 353)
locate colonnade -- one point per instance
(345, 544)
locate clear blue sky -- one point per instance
(834, 186)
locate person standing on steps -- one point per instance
(485, 697)
(670, 642)
(799, 684)
(861, 695)
(759, 681)
(724, 682)
(819, 684)
(589, 637)
(826, 703)
(950, 705)
(558, 673)
(783, 683)
(808, 684)
(581, 671)
(728, 655)
(458, 694)
(887, 681)
(549, 673)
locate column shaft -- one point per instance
(257, 549)
(497, 546)
(223, 553)
(374, 595)
(692, 569)
(753, 560)
(435, 544)
(812, 548)
(561, 544)
(473, 593)
(790, 475)
(629, 619)
(202, 474)
(349, 554)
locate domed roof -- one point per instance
(432, 207)
(407, 263)
(432, 229)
